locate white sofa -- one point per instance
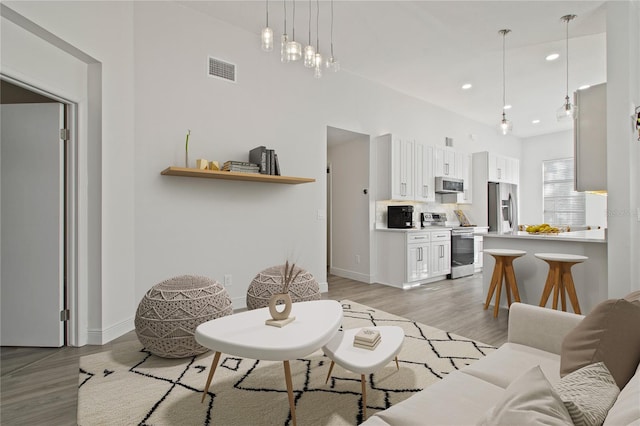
(465, 396)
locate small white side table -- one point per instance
(364, 361)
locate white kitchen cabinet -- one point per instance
(445, 162)
(502, 169)
(406, 258)
(395, 168)
(418, 258)
(590, 139)
(466, 174)
(440, 253)
(478, 248)
(424, 182)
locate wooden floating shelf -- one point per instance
(215, 174)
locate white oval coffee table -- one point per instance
(341, 351)
(246, 335)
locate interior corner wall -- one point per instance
(535, 150)
(102, 30)
(350, 209)
(623, 182)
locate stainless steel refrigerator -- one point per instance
(503, 207)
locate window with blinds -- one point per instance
(562, 205)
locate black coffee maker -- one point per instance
(400, 217)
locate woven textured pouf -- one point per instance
(269, 282)
(169, 313)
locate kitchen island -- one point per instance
(590, 277)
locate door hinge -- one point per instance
(65, 315)
(65, 135)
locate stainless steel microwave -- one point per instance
(447, 185)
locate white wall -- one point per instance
(350, 209)
(623, 149)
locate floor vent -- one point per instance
(222, 69)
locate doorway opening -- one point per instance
(38, 220)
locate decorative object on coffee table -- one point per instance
(170, 311)
(282, 318)
(303, 287)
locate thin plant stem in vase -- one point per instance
(186, 150)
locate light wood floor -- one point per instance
(39, 386)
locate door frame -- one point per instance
(69, 227)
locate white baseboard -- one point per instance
(100, 337)
(344, 273)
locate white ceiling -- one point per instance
(428, 49)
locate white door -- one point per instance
(31, 284)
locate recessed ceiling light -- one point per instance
(466, 86)
(586, 86)
(536, 121)
(506, 106)
(552, 57)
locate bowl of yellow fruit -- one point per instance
(544, 228)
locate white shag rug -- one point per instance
(129, 386)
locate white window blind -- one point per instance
(562, 205)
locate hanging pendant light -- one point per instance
(309, 51)
(505, 125)
(267, 34)
(332, 63)
(317, 72)
(567, 110)
(294, 48)
(284, 39)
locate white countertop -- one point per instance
(428, 229)
(590, 236)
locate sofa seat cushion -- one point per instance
(458, 399)
(626, 409)
(510, 361)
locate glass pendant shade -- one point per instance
(505, 125)
(267, 39)
(294, 51)
(284, 40)
(333, 64)
(309, 56)
(567, 111)
(317, 73)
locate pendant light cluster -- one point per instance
(505, 125)
(291, 50)
(567, 110)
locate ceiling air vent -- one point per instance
(222, 69)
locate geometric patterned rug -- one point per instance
(127, 385)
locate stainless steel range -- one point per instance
(462, 252)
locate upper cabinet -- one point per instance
(503, 169)
(465, 166)
(590, 139)
(424, 182)
(395, 168)
(445, 162)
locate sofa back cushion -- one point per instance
(609, 333)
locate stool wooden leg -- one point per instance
(511, 279)
(397, 365)
(563, 297)
(548, 286)
(497, 275)
(556, 284)
(496, 308)
(214, 364)
(569, 285)
(329, 373)
(363, 381)
(507, 287)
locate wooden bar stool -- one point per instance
(560, 280)
(503, 269)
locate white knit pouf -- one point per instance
(169, 313)
(269, 282)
